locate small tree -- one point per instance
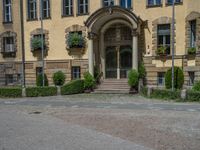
(59, 78)
(36, 43)
(133, 79)
(178, 78)
(89, 81)
(39, 80)
(142, 71)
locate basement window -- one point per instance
(161, 78)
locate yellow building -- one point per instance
(114, 36)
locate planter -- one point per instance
(76, 51)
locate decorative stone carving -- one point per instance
(75, 28)
(190, 17)
(155, 23)
(8, 34)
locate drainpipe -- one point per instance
(22, 44)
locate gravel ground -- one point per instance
(153, 128)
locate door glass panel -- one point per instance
(125, 61)
(111, 62)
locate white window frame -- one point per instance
(70, 6)
(47, 9)
(109, 2)
(34, 10)
(9, 13)
(154, 3)
(126, 4)
(84, 7)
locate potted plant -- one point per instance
(133, 79)
(89, 82)
(161, 51)
(36, 43)
(76, 43)
(192, 50)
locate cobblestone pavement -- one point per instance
(90, 122)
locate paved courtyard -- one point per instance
(98, 122)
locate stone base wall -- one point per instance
(53, 66)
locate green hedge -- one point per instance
(41, 91)
(193, 96)
(165, 94)
(10, 92)
(74, 87)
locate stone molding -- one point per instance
(8, 34)
(190, 17)
(155, 23)
(38, 31)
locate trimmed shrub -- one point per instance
(178, 78)
(74, 87)
(10, 92)
(89, 81)
(165, 94)
(142, 71)
(41, 91)
(196, 86)
(59, 78)
(193, 96)
(133, 78)
(39, 80)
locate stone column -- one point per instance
(118, 62)
(135, 51)
(91, 53)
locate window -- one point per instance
(193, 33)
(169, 2)
(76, 73)
(161, 78)
(46, 9)
(67, 7)
(7, 11)
(164, 38)
(32, 9)
(36, 42)
(108, 3)
(9, 79)
(38, 71)
(126, 3)
(82, 7)
(8, 44)
(154, 2)
(191, 78)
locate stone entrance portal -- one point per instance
(113, 41)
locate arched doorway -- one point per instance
(113, 41)
(118, 51)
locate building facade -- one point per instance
(113, 36)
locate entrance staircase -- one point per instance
(113, 86)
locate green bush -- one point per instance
(59, 78)
(192, 50)
(39, 80)
(10, 92)
(89, 81)
(193, 96)
(165, 94)
(196, 86)
(76, 40)
(36, 43)
(41, 91)
(74, 87)
(133, 78)
(161, 50)
(178, 78)
(142, 71)
(144, 91)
